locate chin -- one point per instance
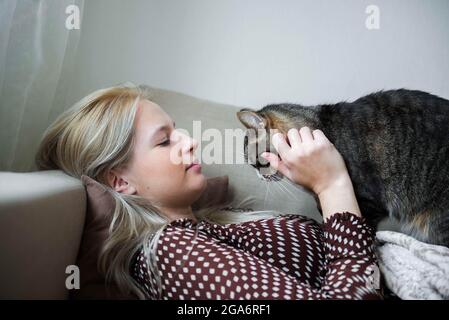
(199, 187)
(203, 183)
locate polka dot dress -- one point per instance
(284, 257)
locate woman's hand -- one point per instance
(310, 160)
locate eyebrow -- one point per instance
(160, 128)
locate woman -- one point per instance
(159, 248)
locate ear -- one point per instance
(119, 182)
(251, 119)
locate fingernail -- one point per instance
(264, 154)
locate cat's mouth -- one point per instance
(268, 174)
(269, 177)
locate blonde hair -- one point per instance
(96, 135)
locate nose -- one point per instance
(193, 145)
(189, 144)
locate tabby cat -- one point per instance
(395, 145)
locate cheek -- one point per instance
(162, 173)
(164, 180)
(164, 168)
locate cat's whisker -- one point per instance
(267, 185)
(277, 189)
(282, 187)
(285, 188)
(282, 191)
(292, 183)
(289, 189)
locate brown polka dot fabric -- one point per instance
(285, 257)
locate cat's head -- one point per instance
(261, 126)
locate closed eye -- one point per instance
(165, 143)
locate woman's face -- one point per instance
(158, 169)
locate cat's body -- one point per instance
(396, 147)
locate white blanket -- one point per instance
(413, 269)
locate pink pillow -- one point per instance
(100, 207)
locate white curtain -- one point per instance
(36, 49)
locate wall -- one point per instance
(250, 53)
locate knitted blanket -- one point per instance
(413, 269)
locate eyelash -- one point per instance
(165, 143)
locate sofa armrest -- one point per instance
(41, 222)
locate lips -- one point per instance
(192, 164)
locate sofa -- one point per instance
(42, 213)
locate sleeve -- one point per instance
(192, 266)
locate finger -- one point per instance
(280, 144)
(275, 162)
(319, 135)
(294, 137)
(306, 134)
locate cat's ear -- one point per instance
(251, 119)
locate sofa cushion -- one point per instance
(99, 211)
